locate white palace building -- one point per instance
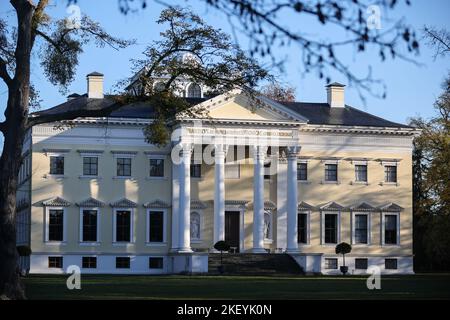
(276, 178)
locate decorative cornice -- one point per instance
(363, 206)
(390, 207)
(123, 203)
(56, 202)
(303, 206)
(197, 204)
(331, 206)
(361, 129)
(47, 150)
(90, 151)
(91, 203)
(239, 204)
(268, 205)
(128, 152)
(156, 204)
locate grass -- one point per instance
(429, 286)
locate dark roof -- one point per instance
(321, 113)
(335, 84)
(316, 113)
(73, 95)
(95, 73)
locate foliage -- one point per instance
(221, 246)
(343, 248)
(24, 251)
(278, 92)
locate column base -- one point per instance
(184, 250)
(292, 251)
(258, 250)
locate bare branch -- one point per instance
(4, 72)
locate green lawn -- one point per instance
(429, 286)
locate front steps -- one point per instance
(254, 264)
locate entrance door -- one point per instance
(232, 229)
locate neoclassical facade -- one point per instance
(265, 176)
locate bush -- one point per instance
(24, 251)
(222, 246)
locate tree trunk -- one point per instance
(14, 129)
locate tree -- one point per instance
(343, 248)
(278, 92)
(60, 45)
(359, 22)
(221, 246)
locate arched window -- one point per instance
(268, 225)
(195, 225)
(194, 91)
(159, 86)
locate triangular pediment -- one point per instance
(124, 203)
(305, 206)
(363, 206)
(391, 207)
(331, 206)
(238, 105)
(156, 204)
(91, 202)
(56, 202)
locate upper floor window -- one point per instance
(156, 167)
(90, 166)
(194, 91)
(390, 173)
(331, 172)
(361, 172)
(196, 170)
(56, 165)
(302, 171)
(124, 167)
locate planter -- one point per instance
(344, 270)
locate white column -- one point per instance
(175, 206)
(292, 200)
(184, 175)
(259, 153)
(219, 192)
(282, 200)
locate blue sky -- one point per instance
(411, 89)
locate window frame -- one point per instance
(164, 231)
(123, 257)
(329, 259)
(308, 227)
(56, 155)
(367, 263)
(191, 84)
(81, 239)
(58, 257)
(356, 166)
(332, 163)
(89, 257)
(47, 225)
(338, 228)
(302, 162)
(391, 259)
(157, 157)
(96, 169)
(369, 227)
(117, 166)
(156, 257)
(118, 243)
(383, 228)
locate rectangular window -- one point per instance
(361, 264)
(361, 227)
(302, 221)
(331, 228)
(56, 165)
(390, 173)
(232, 171)
(124, 167)
(155, 263)
(90, 166)
(331, 172)
(196, 170)
(89, 262)
(267, 171)
(331, 263)
(156, 226)
(361, 173)
(89, 225)
(390, 264)
(302, 171)
(56, 225)
(390, 229)
(156, 167)
(55, 262)
(122, 262)
(123, 224)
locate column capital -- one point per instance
(220, 150)
(292, 152)
(259, 152)
(186, 149)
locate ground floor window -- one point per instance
(391, 228)
(156, 226)
(55, 262)
(89, 262)
(89, 220)
(390, 264)
(302, 228)
(123, 224)
(123, 262)
(155, 263)
(330, 228)
(331, 263)
(361, 264)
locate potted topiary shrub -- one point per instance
(221, 246)
(343, 248)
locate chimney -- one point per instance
(95, 85)
(335, 95)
